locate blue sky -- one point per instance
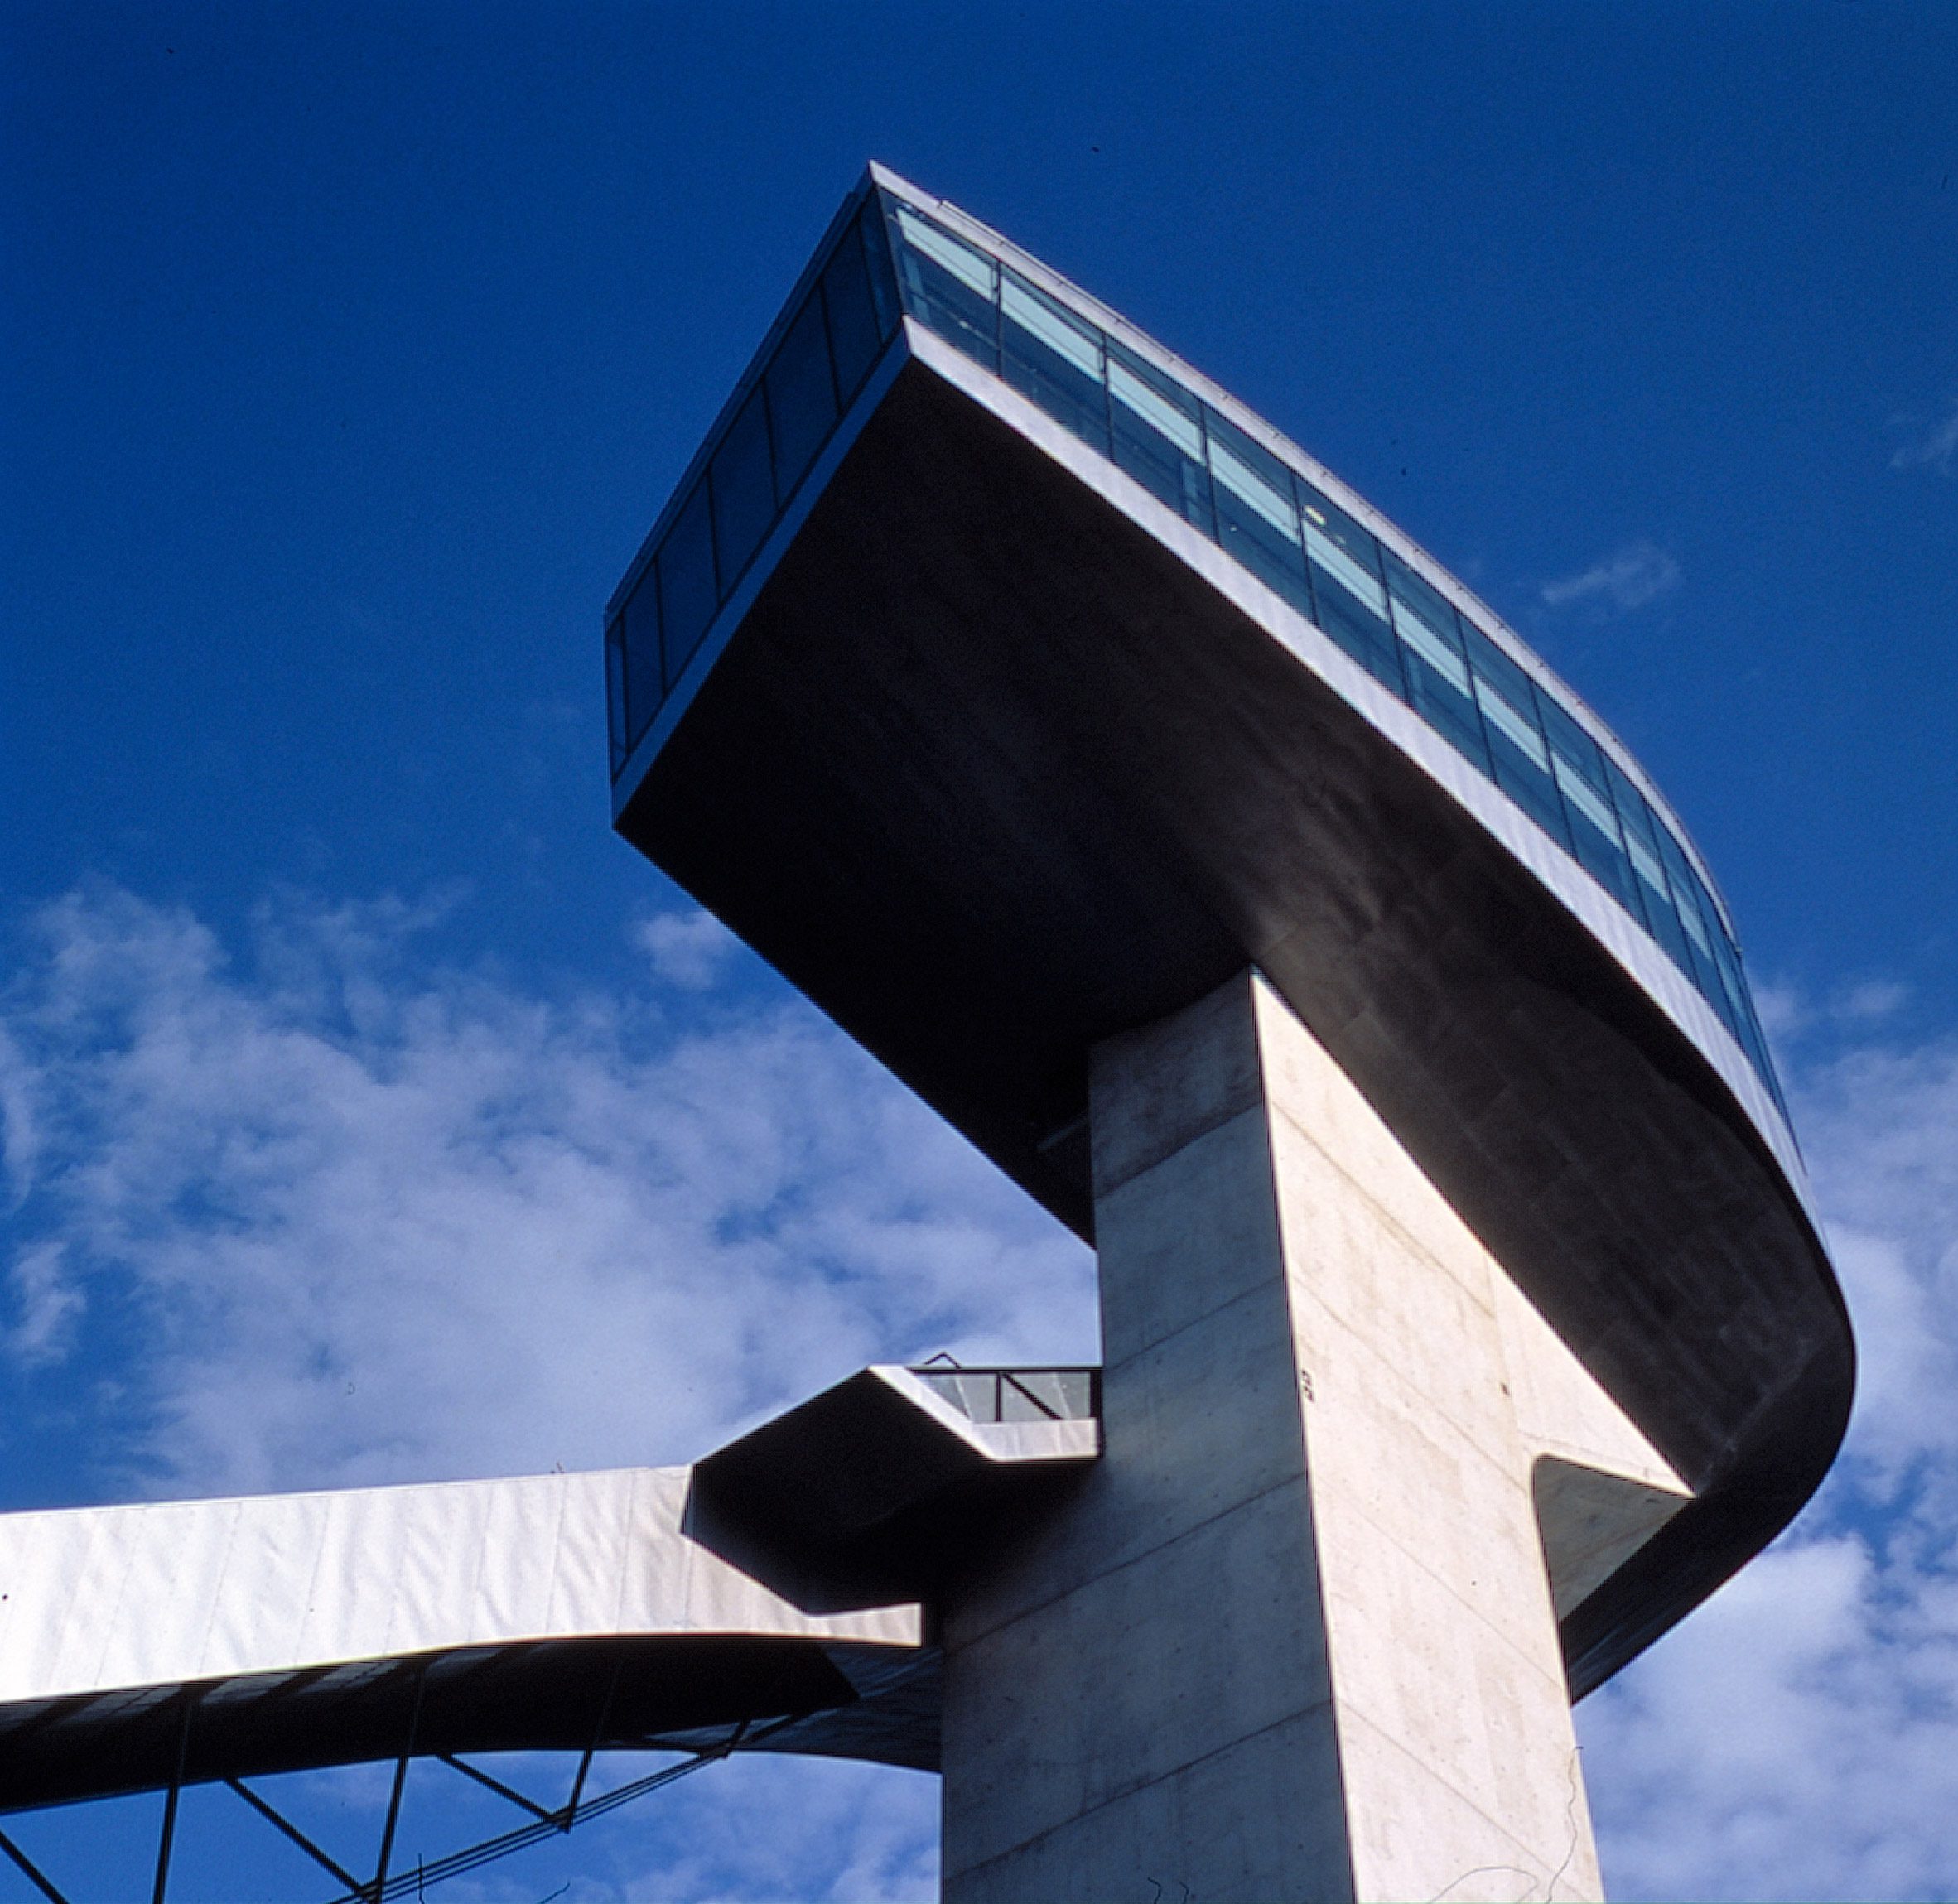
(371, 1114)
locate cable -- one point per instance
(473, 1857)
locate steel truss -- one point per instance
(544, 1821)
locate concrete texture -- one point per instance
(1295, 1637)
(999, 763)
(874, 1491)
(780, 1578)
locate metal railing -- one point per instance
(1072, 1393)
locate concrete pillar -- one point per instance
(1293, 1637)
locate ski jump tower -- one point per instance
(1241, 886)
(1254, 899)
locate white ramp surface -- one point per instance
(105, 1597)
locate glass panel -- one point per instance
(687, 598)
(876, 248)
(948, 287)
(1424, 639)
(1437, 670)
(1345, 551)
(1649, 883)
(1351, 601)
(1014, 1394)
(645, 683)
(1253, 476)
(802, 399)
(1255, 520)
(1757, 1045)
(1601, 850)
(1579, 753)
(1583, 802)
(951, 1387)
(1726, 960)
(1053, 358)
(615, 730)
(853, 339)
(1579, 770)
(1502, 690)
(1740, 1007)
(1414, 589)
(1158, 436)
(1685, 889)
(1030, 1394)
(1516, 746)
(952, 255)
(1684, 897)
(744, 491)
(1511, 723)
(1075, 343)
(1453, 715)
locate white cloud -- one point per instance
(46, 1304)
(387, 1222)
(1788, 1013)
(1874, 998)
(1638, 573)
(390, 1222)
(861, 1836)
(387, 1226)
(1782, 1010)
(690, 950)
(1794, 1739)
(1936, 448)
(1798, 1736)
(1882, 1126)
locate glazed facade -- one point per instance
(1462, 673)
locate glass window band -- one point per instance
(893, 257)
(823, 356)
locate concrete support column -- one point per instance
(1294, 1638)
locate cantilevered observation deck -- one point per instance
(1236, 880)
(1008, 686)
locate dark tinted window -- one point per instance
(1431, 653)
(802, 398)
(616, 712)
(1052, 356)
(1517, 749)
(1650, 885)
(645, 677)
(1579, 770)
(876, 251)
(853, 337)
(1700, 935)
(744, 490)
(1257, 519)
(688, 597)
(1216, 476)
(1731, 999)
(950, 286)
(1326, 522)
(1158, 436)
(1347, 585)
(1741, 1010)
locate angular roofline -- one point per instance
(1308, 466)
(1574, 885)
(738, 395)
